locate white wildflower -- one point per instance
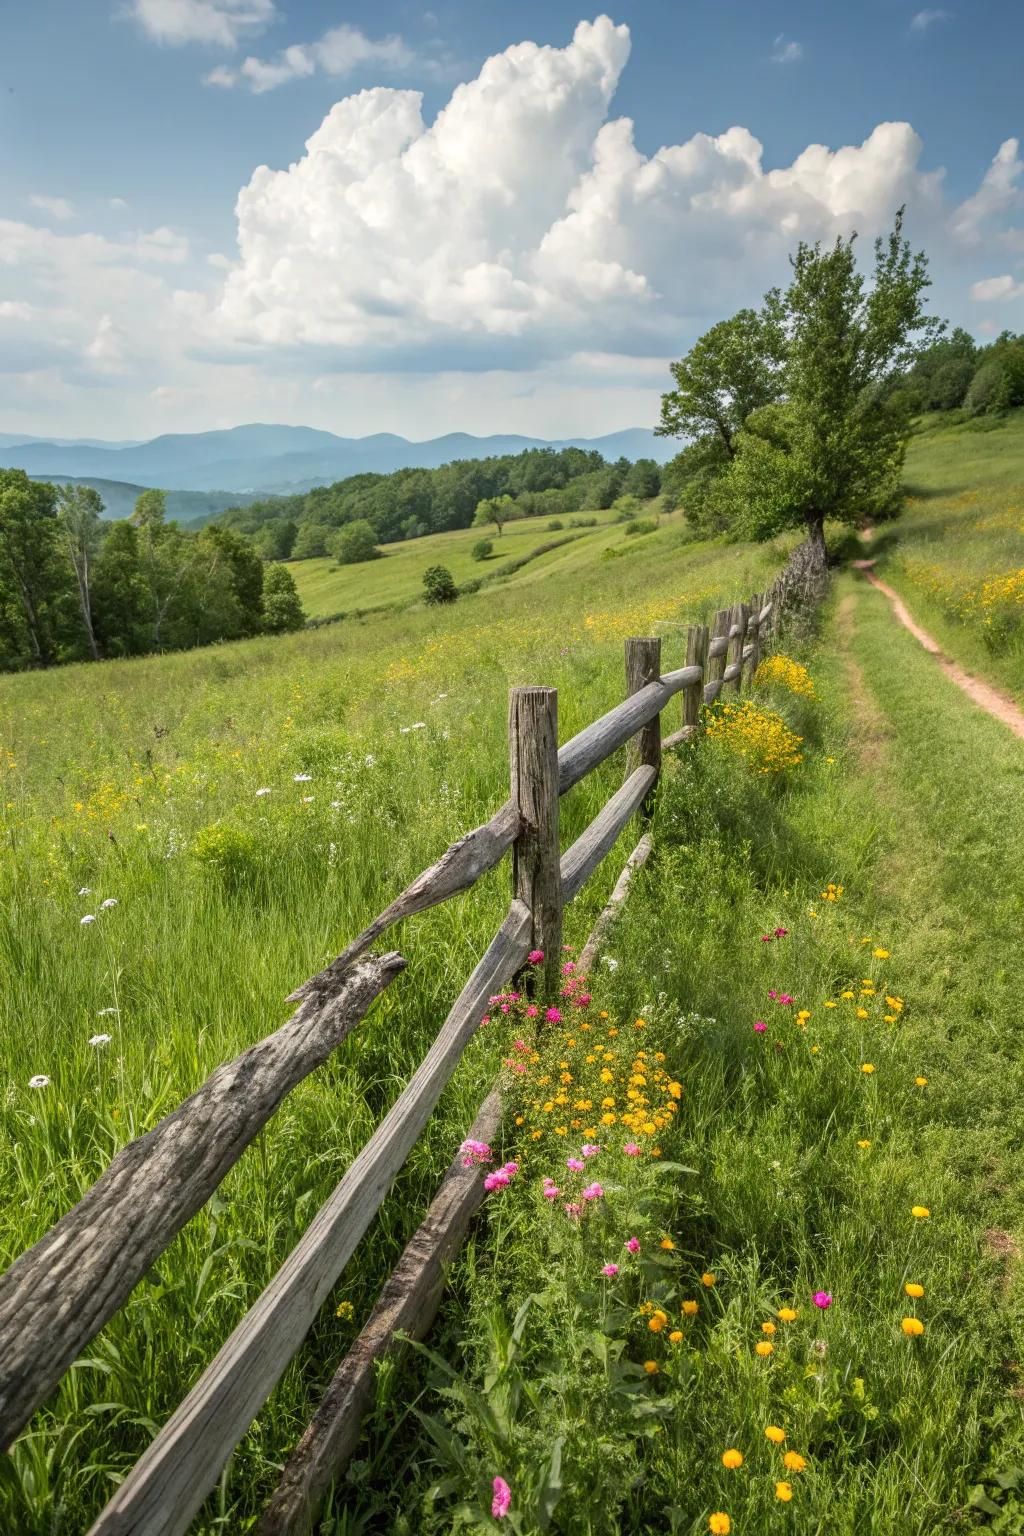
(86, 890)
(111, 901)
(335, 805)
(40, 1081)
(303, 778)
(88, 918)
(307, 799)
(100, 1039)
(612, 965)
(260, 792)
(105, 1013)
(419, 725)
(370, 760)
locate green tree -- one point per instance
(32, 578)
(643, 480)
(355, 543)
(150, 509)
(311, 541)
(735, 368)
(439, 584)
(79, 509)
(498, 510)
(120, 599)
(282, 606)
(243, 566)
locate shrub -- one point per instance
(482, 549)
(282, 606)
(355, 543)
(555, 524)
(439, 584)
(641, 525)
(229, 853)
(583, 522)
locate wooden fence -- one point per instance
(58, 1295)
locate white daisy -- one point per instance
(86, 890)
(40, 1081)
(88, 918)
(260, 792)
(303, 778)
(100, 1039)
(111, 901)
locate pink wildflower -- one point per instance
(520, 1045)
(611, 1270)
(583, 1000)
(760, 1026)
(511, 1169)
(823, 1300)
(631, 1149)
(780, 933)
(497, 1180)
(475, 1152)
(590, 1149)
(773, 995)
(514, 997)
(766, 938)
(785, 998)
(532, 1011)
(502, 1500)
(553, 1016)
(484, 1020)
(592, 1192)
(551, 1191)
(504, 1007)
(536, 957)
(633, 1244)
(575, 1165)
(572, 1209)
(568, 967)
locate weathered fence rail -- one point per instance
(56, 1297)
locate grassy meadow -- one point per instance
(248, 807)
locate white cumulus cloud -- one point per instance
(998, 195)
(220, 22)
(991, 289)
(339, 52)
(56, 207)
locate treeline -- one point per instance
(410, 503)
(955, 374)
(76, 588)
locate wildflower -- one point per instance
(920, 1212)
(823, 1300)
(787, 1314)
(39, 1081)
(88, 918)
(708, 1279)
(819, 1347)
(551, 1191)
(303, 778)
(502, 1499)
(345, 1311)
(631, 1149)
(676, 1336)
(592, 1192)
(862, 1013)
(775, 1434)
(568, 967)
(912, 1327)
(261, 792)
(764, 1349)
(691, 1308)
(914, 1290)
(553, 1016)
(921, 1082)
(496, 1180)
(475, 1152)
(536, 957)
(651, 1367)
(657, 1322)
(867, 1066)
(574, 1164)
(667, 1244)
(611, 1270)
(86, 890)
(590, 1149)
(864, 1144)
(785, 999)
(794, 1462)
(760, 1027)
(99, 1039)
(880, 954)
(719, 1524)
(783, 1491)
(732, 1459)
(768, 1328)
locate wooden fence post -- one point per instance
(696, 656)
(716, 664)
(754, 631)
(734, 656)
(643, 666)
(536, 879)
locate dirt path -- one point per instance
(990, 699)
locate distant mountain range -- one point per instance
(268, 460)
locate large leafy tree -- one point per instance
(79, 509)
(32, 581)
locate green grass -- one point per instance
(327, 588)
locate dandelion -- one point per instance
(823, 1300)
(787, 1314)
(676, 1336)
(913, 1289)
(39, 1081)
(87, 919)
(921, 1082)
(912, 1327)
(769, 1329)
(880, 954)
(783, 1491)
(651, 1367)
(794, 1462)
(863, 1144)
(691, 1308)
(920, 1212)
(764, 1349)
(775, 1434)
(610, 1270)
(867, 1067)
(502, 1499)
(719, 1523)
(667, 1244)
(99, 1039)
(708, 1279)
(732, 1459)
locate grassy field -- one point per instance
(327, 588)
(957, 554)
(249, 807)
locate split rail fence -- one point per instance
(58, 1295)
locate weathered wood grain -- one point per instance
(533, 764)
(407, 1304)
(592, 745)
(643, 666)
(737, 635)
(753, 650)
(637, 859)
(58, 1295)
(696, 656)
(677, 738)
(582, 858)
(168, 1484)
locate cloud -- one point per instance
(925, 19)
(220, 22)
(118, 202)
(392, 238)
(992, 289)
(11, 309)
(339, 52)
(56, 207)
(786, 52)
(997, 196)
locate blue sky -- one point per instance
(483, 276)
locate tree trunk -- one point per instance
(82, 572)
